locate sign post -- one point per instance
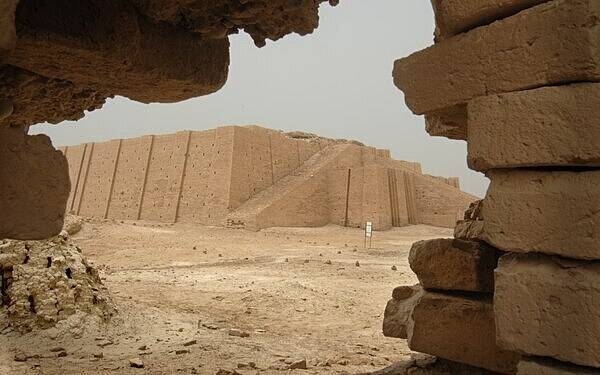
(368, 233)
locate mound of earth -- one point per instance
(49, 283)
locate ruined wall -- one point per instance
(515, 291)
(255, 178)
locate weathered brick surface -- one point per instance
(457, 16)
(455, 265)
(553, 212)
(34, 188)
(550, 126)
(548, 306)
(549, 44)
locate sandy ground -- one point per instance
(300, 293)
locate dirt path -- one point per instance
(297, 292)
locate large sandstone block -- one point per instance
(551, 43)
(456, 16)
(450, 264)
(124, 53)
(546, 366)
(456, 328)
(553, 212)
(34, 186)
(548, 306)
(550, 126)
(397, 317)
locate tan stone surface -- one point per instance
(470, 230)
(22, 90)
(439, 204)
(457, 16)
(550, 126)
(398, 312)
(255, 178)
(211, 18)
(454, 265)
(34, 186)
(450, 123)
(548, 44)
(548, 306)
(554, 212)
(8, 35)
(546, 366)
(456, 328)
(124, 53)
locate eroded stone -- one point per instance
(550, 126)
(553, 212)
(456, 16)
(451, 264)
(8, 35)
(548, 44)
(35, 186)
(396, 319)
(548, 306)
(124, 54)
(460, 329)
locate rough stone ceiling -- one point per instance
(59, 58)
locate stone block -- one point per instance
(552, 43)
(455, 328)
(456, 265)
(450, 123)
(552, 212)
(398, 311)
(546, 366)
(548, 306)
(8, 35)
(35, 186)
(469, 230)
(550, 126)
(124, 53)
(456, 16)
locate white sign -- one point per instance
(369, 229)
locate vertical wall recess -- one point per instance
(84, 182)
(347, 197)
(183, 173)
(112, 179)
(143, 188)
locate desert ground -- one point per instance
(186, 293)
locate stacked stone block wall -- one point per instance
(522, 91)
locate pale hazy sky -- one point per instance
(336, 83)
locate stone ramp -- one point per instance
(308, 181)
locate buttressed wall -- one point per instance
(516, 291)
(254, 178)
(60, 58)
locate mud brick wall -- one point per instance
(256, 178)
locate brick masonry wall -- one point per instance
(203, 177)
